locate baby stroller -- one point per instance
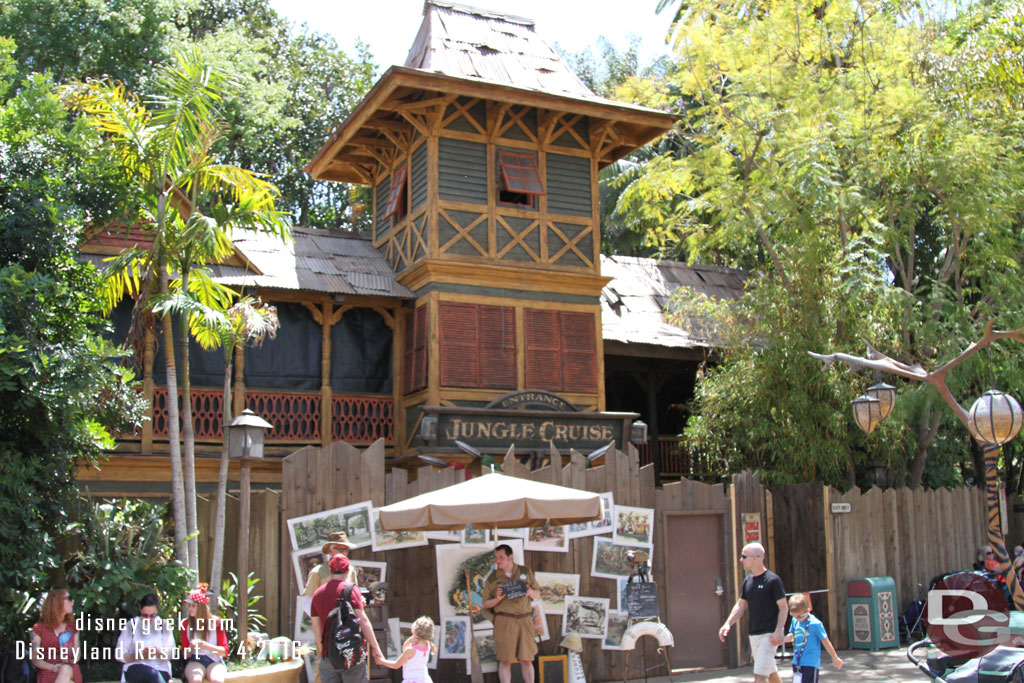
(1001, 665)
(912, 622)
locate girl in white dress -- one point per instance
(416, 653)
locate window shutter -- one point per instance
(477, 346)
(543, 350)
(497, 325)
(414, 351)
(459, 355)
(579, 352)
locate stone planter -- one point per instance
(285, 672)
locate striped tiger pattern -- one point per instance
(995, 530)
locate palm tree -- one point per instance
(248, 323)
(189, 204)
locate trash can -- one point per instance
(871, 613)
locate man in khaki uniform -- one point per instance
(514, 636)
(337, 544)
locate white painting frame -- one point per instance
(548, 538)
(455, 638)
(484, 641)
(540, 621)
(608, 560)
(303, 622)
(382, 541)
(586, 616)
(634, 526)
(304, 562)
(316, 528)
(368, 571)
(519, 532)
(451, 588)
(618, 622)
(472, 537)
(554, 588)
(451, 536)
(394, 638)
(604, 525)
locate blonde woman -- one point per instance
(204, 640)
(416, 653)
(55, 640)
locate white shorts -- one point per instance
(764, 654)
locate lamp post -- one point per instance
(245, 443)
(993, 420)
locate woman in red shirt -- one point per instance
(55, 640)
(204, 639)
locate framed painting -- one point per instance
(453, 561)
(604, 525)
(634, 526)
(382, 540)
(304, 561)
(610, 560)
(585, 616)
(553, 539)
(315, 529)
(455, 642)
(554, 587)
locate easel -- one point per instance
(638, 568)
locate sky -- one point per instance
(389, 26)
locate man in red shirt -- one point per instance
(324, 600)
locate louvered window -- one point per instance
(398, 197)
(561, 351)
(414, 351)
(520, 178)
(477, 346)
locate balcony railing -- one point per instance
(295, 415)
(677, 461)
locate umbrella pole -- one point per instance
(476, 675)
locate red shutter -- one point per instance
(459, 354)
(579, 353)
(414, 351)
(497, 325)
(543, 350)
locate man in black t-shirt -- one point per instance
(765, 598)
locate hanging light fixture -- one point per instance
(886, 393)
(995, 418)
(867, 413)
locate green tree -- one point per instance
(62, 389)
(872, 184)
(188, 202)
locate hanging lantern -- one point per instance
(867, 413)
(886, 393)
(995, 418)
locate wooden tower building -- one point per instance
(483, 152)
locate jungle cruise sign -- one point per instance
(531, 420)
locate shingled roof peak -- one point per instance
(469, 42)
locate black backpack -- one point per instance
(344, 638)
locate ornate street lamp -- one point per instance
(994, 419)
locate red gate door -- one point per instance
(695, 576)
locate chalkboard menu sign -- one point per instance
(642, 600)
(514, 589)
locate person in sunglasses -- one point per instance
(765, 598)
(808, 634)
(55, 640)
(146, 645)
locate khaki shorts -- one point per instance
(764, 654)
(514, 638)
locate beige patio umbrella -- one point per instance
(492, 500)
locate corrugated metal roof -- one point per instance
(328, 261)
(467, 42)
(633, 304)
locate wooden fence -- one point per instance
(264, 546)
(909, 535)
(316, 479)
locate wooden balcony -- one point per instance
(356, 418)
(677, 461)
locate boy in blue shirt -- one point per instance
(807, 634)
